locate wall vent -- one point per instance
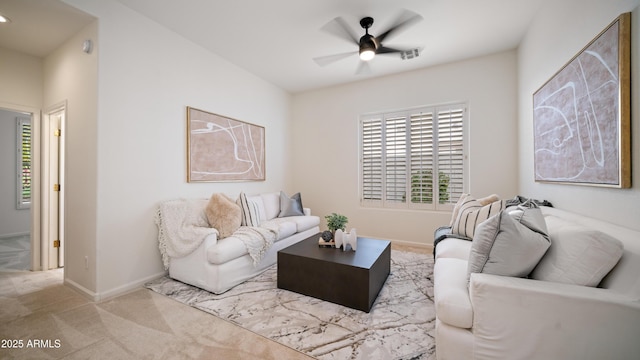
(410, 54)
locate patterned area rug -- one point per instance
(399, 326)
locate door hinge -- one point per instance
(58, 132)
(56, 187)
(56, 243)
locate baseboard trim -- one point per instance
(414, 244)
(90, 295)
(110, 294)
(403, 242)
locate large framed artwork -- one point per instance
(582, 115)
(223, 149)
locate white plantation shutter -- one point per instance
(371, 162)
(422, 137)
(24, 163)
(451, 152)
(413, 159)
(395, 160)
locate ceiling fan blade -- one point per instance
(386, 50)
(403, 21)
(329, 59)
(364, 68)
(341, 29)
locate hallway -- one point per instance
(15, 253)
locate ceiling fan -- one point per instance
(368, 45)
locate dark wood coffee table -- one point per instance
(349, 278)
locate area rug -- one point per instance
(399, 326)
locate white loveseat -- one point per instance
(487, 316)
(217, 265)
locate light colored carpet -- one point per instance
(15, 253)
(44, 319)
(399, 326)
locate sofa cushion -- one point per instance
(304, 223)
(578, 255)
(510, 243)
(453, 248)
(451, 293)
(472, 212)
(290, 206)
(223, 214)
(285, 229)
(271, 203)
(226, 250)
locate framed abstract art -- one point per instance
(223, 149)
(582, 115)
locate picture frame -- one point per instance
(222, 149)
(582, 115)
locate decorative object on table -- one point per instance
(336, 221)
(582, 115)
(326, 239)
(323, 243)
(223, 149)
(343, 239)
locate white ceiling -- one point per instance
(38, 27)
(277, 39)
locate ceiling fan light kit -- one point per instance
(368, 45)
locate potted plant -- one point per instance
(335, 222)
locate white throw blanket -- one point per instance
(257, 239)
(182, 227)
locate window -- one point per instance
(401, 151)
(24, 163)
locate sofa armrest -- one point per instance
(307, 211)
(516, 318)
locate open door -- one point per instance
(52, 191)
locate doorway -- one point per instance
(15, 190)
(31, 188)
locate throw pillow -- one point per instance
(223, 214)
(250, 210)
(290, 206)
(509, 244)
(578, 255)
(456, 208)
(472, 212)
(488, 199)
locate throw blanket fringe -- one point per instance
(257, 239)
(182, 227)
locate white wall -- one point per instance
(559, 31)
(147, 76)
(325, 139)
(71, 76)
(22, 78)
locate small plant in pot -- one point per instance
(335, 222)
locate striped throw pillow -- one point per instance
(456, 208)
(471, 213)
(250, 211)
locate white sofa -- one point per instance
(217, 265)
(487, 316)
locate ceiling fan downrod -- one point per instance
(368, 44)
